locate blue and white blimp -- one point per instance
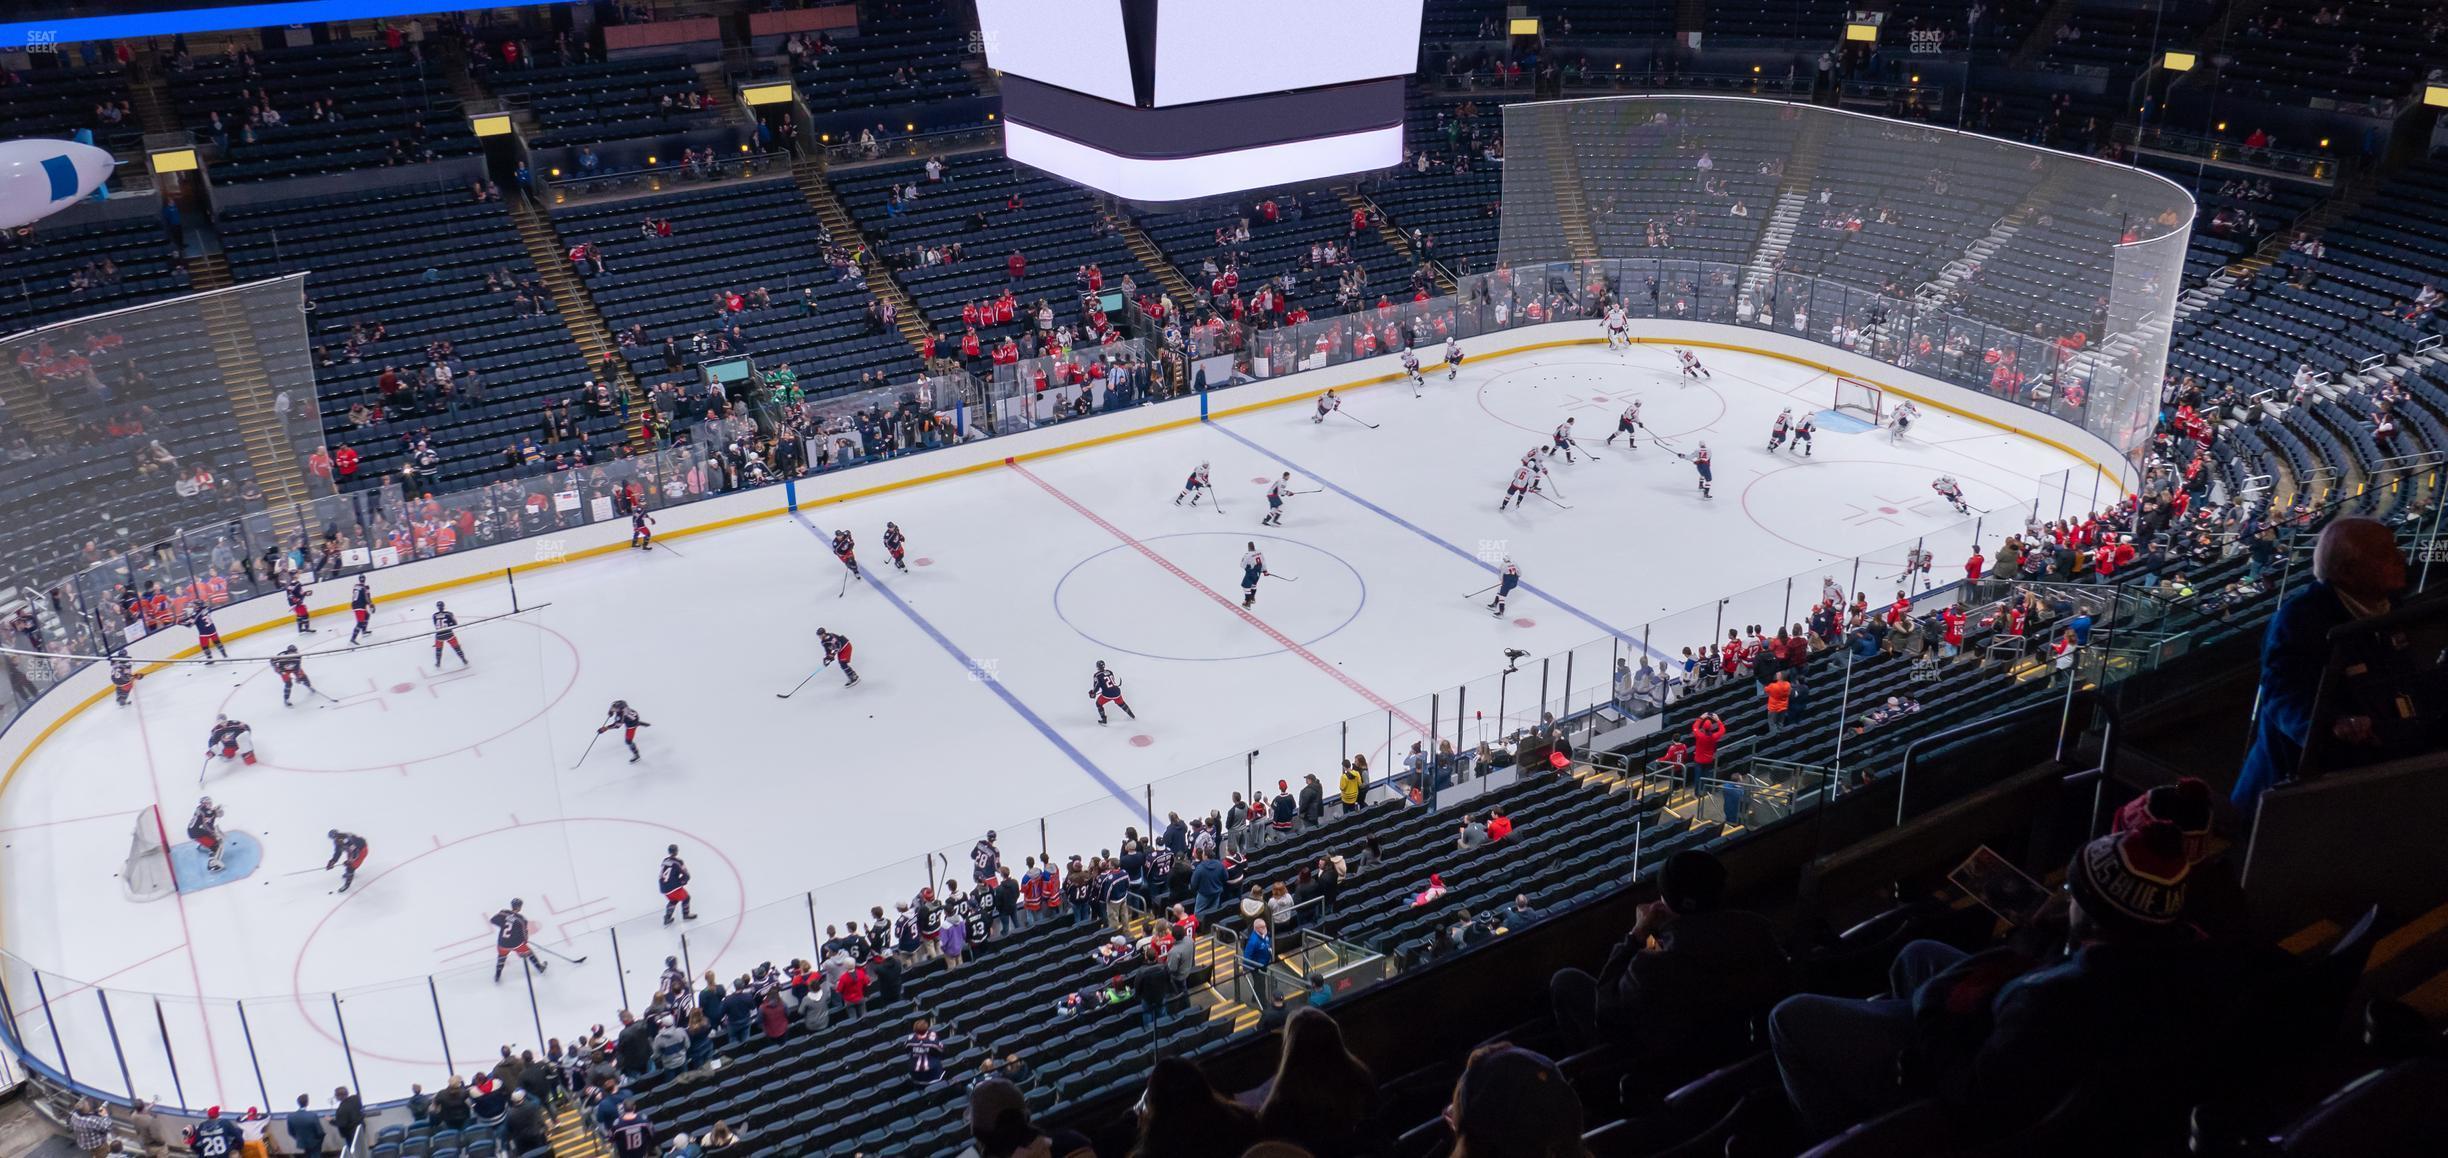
(41, 177)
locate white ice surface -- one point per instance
(972, 712)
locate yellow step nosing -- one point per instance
(2413, 933)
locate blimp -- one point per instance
(41, 177)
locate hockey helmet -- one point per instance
(1100, 665)
(671, 850)
(619, 704)
(517, 904)
(205, 801)
(333, 834)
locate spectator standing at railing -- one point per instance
(2357, 570)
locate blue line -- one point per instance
(1424, 533)
(1137, 805)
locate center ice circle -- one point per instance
(1095, 597)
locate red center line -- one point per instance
(1285, 641)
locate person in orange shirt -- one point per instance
(1780, 698)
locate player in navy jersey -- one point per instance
(446, 633)
(895, 545)
(846, 550)
(208, 634)
(510, 936)
(1106, 688)
(837, 648)
(297, 593)
(1253, 565)
(1506, 581)
(641, 530)
(291, 668)
(348, 853)
(361, 605)
(1191, 488)
(621, 715)
(673, 879)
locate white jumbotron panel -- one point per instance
(1188, 178)
(1074, 44)
(1277, 45)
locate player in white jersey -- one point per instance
(1276, 494)
(1917, 561)
(1952, 492)
(1453, 358)
(1525, 477)
(1327, 404)
(1802, 432)
(1253, 565)
(1618, 331)
(1904, 416)
(1783, 428)
(1700, 462)
(1506, 580)
(1192, 489)
(1564, 440)
(1691, 364)
(1410, 365)
(1628, 425)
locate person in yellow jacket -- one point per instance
(1355, 783)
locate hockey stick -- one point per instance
(577, 960)
(845, 586)
(200, 772)
(651, 545)
(1356, 418)
(590, 747)
(1282, 576)
(1480, 592)
(781, 695)
(1543, 495)
(304, 871)
(322, 693)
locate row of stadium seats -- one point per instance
(392, 105)
(58, 101)
(1188, 240)
(587, 101)
(2377, 50)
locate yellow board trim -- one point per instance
(1050, 452)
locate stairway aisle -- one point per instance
(808, 173)
(1354, 199)
(576, 308)
(271, 454)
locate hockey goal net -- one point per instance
(147, 875)
(1862, 398)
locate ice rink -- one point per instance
(972, 712)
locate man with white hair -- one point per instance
(2357, 572)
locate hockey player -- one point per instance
(446, 631)
(231, 739)
(846, 549)
(208, 634)
(673, 879)
(1327, 404)
(204, 828)
(1700, 462)
(1784, 427)
(361, 605)
(641, 530)
(1949, 489)
(1506, 581)
(1691, 364)
(1618, 328)
(1275, 500)
(621, 715)
(1253, 565)
(291, 667)
(1453, 358)
(1628, 425)
(1917, 562)
(1525, 477)
(1564, 440)
(1904, 416)
(1191, 488)
(1410, 365)
(510, 936)
(349, 853)
(1802, 432)
(297, 593)
(837, 647)
(123, 678)
(895, 545)
(1105, 688)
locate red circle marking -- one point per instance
(557, 697)
(1142, 741)
(1764, 476)
(1260, 480)
(1888, 511)
(402, 689)
(1525, 621)
(297, 965)
(923, 561)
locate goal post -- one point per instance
(1858, 397)
(148, 875)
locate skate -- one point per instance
(214, 864)
(538, 962)
(687, 913)
(667, 914)
(852, 682)
(1128, 712)
(633, 755)
(1101, 720)
(497, 971)
(345, 882)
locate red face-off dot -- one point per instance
(1142, 741)
(402, 689)
(923, 561)
(1260, 479)
(1525, 622)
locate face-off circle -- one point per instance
(452, 708)
(1837, 507)
(1536, 398)
(1331, 596)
